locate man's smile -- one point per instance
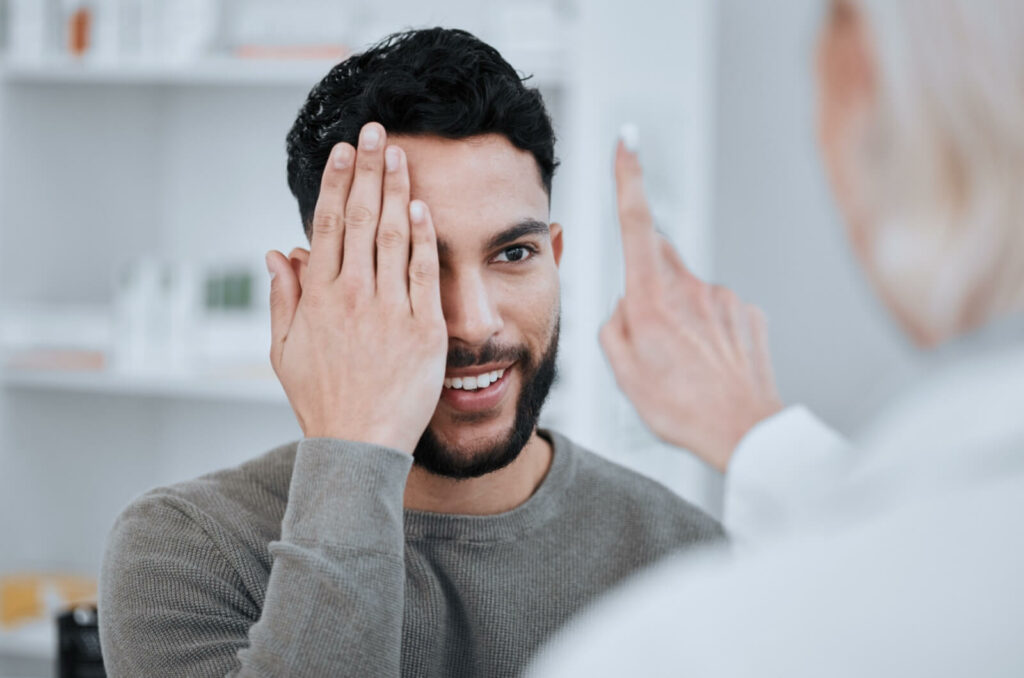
(476, 392)
(470, 379)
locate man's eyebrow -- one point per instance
(514, 232)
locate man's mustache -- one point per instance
(461, 357)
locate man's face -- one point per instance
(500, 295)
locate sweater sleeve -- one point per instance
(783, 470)
(172, 604)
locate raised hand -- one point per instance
(358, 337)
(691, 357)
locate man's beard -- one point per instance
(436, 457)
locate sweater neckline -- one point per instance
(542, 505)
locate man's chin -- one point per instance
(477, 448)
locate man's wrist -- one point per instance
(346, 493)
(389, 439)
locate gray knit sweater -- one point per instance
(303, 563)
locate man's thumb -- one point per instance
(284, 297)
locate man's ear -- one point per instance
(556, 241)
(299, 259)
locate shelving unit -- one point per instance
(255, 384)
(223, 71)
(212, 71)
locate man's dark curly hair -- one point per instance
(435, 81)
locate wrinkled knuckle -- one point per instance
(367, 162)
(396, 184)
(422, 273)
(358, 217)
(423, 236)
(702, 297)
(314, 299)
(422, 241)
(352, 293)
(326, 223)
(390, 238)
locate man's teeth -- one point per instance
(473, 383)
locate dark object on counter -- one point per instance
(78, 644)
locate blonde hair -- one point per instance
(942, 171)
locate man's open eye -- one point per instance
(515, 254)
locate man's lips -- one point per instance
(480, 399)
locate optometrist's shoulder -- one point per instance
(693, 358)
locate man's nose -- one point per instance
(469, 309)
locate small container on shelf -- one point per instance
(78, 26)
(78, 643)
(29, 30)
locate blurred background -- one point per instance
(142, 177)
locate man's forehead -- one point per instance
(475, 187)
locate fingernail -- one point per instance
(416, 211)
(343, 156)
(369, 138)
(266, 259)
(392, 159)
(630, 135)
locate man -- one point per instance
(423, 526)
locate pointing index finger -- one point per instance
(639, 243)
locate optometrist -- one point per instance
(900, 553)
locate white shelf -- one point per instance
(212, 71)
(256, 385)
(546, 70)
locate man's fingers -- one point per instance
(362, 212)
(393, 232)
(328, 229)
(424, 269)
(638, 236)
(284, 298)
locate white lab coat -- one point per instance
(902, 556)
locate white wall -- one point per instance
(778, 237)
(649, 64)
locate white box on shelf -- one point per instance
(29, 37)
